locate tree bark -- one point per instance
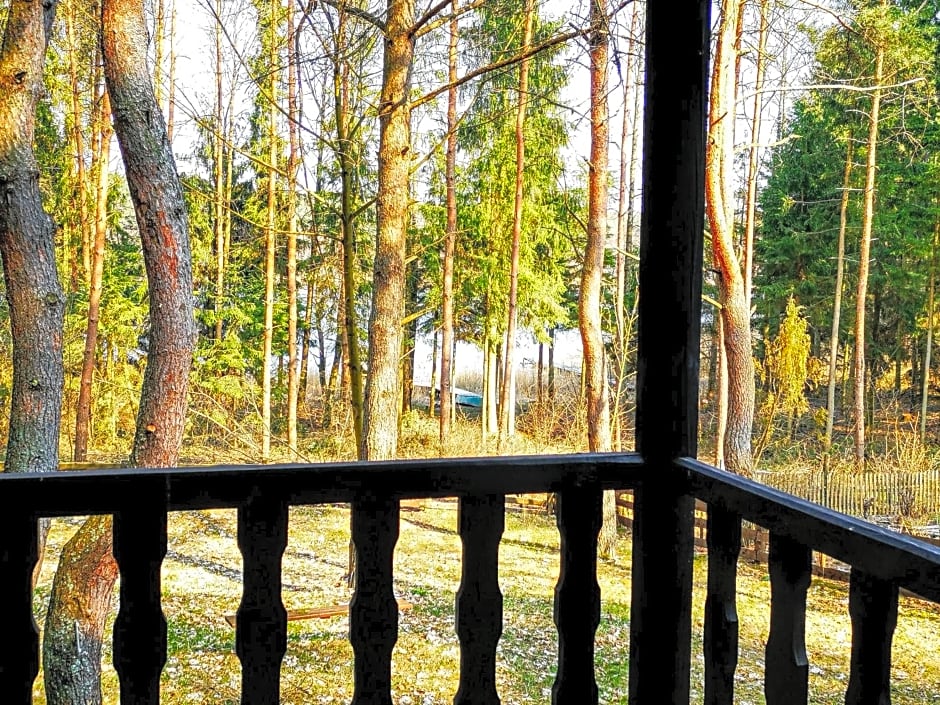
(270, 241)
(81, 186)
(380, 421)
(450, 237)
(507, 406)
(750, 206)
(348, 229)
(925, 389)
(85, 579)
(589, 306)
(27, 247)
(95, 276)
(837, 305)
(218, 177)
(864, 254)
(293, 163)
(718, 190)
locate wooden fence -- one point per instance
(863, 494)
(754, 539)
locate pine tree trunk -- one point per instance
(270, 241)
(719, 194)
(925, 389)
(750, 204)
(380, 421)
(81, 187)
(79, 604)
(293, 163)
(218, 176)
(837, 305)
(347, 226)
(507, 407)
(592, 273)
(27, 247)
(450, 238)
(864, 255)
(83, 410)
(84, 582)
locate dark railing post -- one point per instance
(873, 606)
(19, 646)
(261, 622)
(671, 236)
(721, 612)
(577, 596)
(373, 612)
(140, 627)
(479, 605)
(786, 680)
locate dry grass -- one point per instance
(202, 583)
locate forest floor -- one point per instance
(202, 584)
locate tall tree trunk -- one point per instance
(380, 421)
(27, 246)
(719, 194)
(293, 163)
(85, 578)
(81, 186)
(171, 79)
(550, 383)
(408, 343)
(750, 205)
(628, 144)
(592, 273)
(348, 229)
(159, 39)
(925, 389)
(450, 237)
(507, 406)
(83, 410)
(837, 304)
(432, 387)
(270, 241)
(218, 176)
(864, 254)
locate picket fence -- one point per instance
(865, 494)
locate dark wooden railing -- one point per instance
(140, 500)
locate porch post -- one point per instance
(671, 235)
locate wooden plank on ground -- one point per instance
(319, 612)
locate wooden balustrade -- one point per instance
(882, 562)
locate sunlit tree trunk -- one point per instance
(864, 255)
(507, 407)
(750, 203)
(218, 177)
(89, 356)
(171, 79)
(27, 247)
(837, 305)
(719, 194)
(270, 241)
(592, 273)
(81, 592)
(293, 163)
(380, 421)
(450, 237)
(925, 391)
(348, 230)
(81, 187)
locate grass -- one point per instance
(202, 584)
